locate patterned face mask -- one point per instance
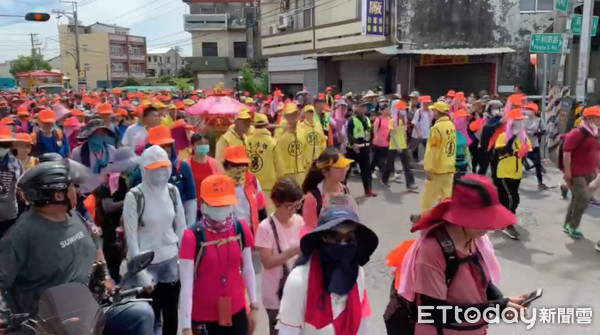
(238, 174)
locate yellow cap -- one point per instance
(260, 118)
(159, 105)
(308, 108)
(248, 101)
(243, 114)
(289, 108)
(172, 106)
(440, 106)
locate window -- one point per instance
(168, 60)
(134, 50)
(537, 5)
(86, 67)
(149, 59)
(116, 66)
(209, 49)
(116, 49)
(168, 71)
(136, 68)
(151, 72)
(239, 49)
(160, 59)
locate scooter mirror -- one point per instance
(140, 262)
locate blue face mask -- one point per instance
(96, 143)
(202, 149)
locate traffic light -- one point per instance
(39, 17)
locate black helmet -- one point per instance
(50, 157)
(39, 184)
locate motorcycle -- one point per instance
(73, 308)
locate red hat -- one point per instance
(474, 204)
(328, 89)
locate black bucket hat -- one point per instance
(332, 217)
(91, 127)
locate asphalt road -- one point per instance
(567, 270)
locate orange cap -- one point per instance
(218, 190)
(476, 125)
(46, 116)
(139, 111)
(591, 111)
(157, 165)
(5, 134)
(451, 94)
(179, 123)
(76, 112)
(425, 98)
(72, 122)
(459, 96)
(533, 106)
(23, 137)
(121, 112)
(104, 109)
(160, 135)
(236, 155)
(515, 114)
(7, 120)
(179, 105)
(328, 89)
(401, 104)
(22, 111)
(460, 113)
(517, 99)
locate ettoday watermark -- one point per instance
(493, 315)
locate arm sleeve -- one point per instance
(11, 261)
(190, 187)
(186, 276)
(220, 150)
(572, 140)
(309, 212)
(130, 225)
(64, 150)
(350, 132)
(293, 302)
(111, 206)
(179, 217)
(249, 274)
(432, 150)
(191, 211)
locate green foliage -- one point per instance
(129, 82)
(29, 63)
(253, 82)
(185, 72)
(180, 83)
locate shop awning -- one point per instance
(393, 50)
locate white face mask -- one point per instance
(517, 126)
(495, 111)
(4, 151)
(158, 177)
(217, 213)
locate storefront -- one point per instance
(436, 74)
(291, 74)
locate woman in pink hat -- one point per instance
(452, 263)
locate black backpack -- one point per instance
(561, 143)
(400, 314)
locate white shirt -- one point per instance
(134, 135)
(241, 209)
(422, 121)
(293, 305)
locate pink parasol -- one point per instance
(215, 105)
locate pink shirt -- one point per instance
(467, 286)
(216, 263)
(309, 209)
(382, 132)
(289, 237)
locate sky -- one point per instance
(160, 21)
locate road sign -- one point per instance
(547, 43)
(576, 22)
(561, 5)
(82, 87)
(82, 77)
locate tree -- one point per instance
(129, 82)
(253, 82)
(29, 63)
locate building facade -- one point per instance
(427, 45)
(219, 33)
(108, 55)
(164, 62)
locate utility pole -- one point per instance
(73, 17)
(584, 50)
(32, 44)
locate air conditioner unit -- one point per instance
(273, 29)
(282, 21)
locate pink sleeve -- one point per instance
(309, 212)
(188, 245)
(260, 200)
(366, 306)
(264, 236)
(248, 239)
(429, 267)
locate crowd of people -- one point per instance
(274, 183)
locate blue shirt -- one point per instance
(461, 149)
(52, 144)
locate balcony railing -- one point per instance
(118, 56)
(202, 22)
(138, 74)
(118, 74)
(137, 57)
